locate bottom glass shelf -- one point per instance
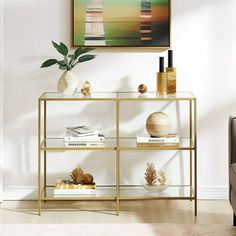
(126, 193)
(102, 193)
(172, 192)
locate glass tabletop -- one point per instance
(117, 96)
(78, 96)
(154, 95)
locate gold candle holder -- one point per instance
(171, 80)
(171, 74)
(161, 79)
(162, 83)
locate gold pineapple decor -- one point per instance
(79, 177)
(152, 176)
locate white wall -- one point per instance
(1, 96)
(203, 39)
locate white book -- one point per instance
(71, 132)
(83, 130)
(172, 138)
(74, 191)
(93, 138)
(84, 144)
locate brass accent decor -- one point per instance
(150, 174)
(117, 192)
(77, 175)
(86, 90)
(156, 181)
(142, 88)
(162, 84)
(87, 179)
(171, 80)
(162, 179)
(171, 74)
(161, 79)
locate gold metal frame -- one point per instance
(117, 98)
(161, 48)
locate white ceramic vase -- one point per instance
(67, 83)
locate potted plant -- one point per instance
(68, 82)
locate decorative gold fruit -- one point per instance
(87, 179)
(158, 124)
(142, 88)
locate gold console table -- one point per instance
(117, 144)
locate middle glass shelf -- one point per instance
(57, 144)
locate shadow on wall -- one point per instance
(91, 112)
(24, 84)
(21, 125)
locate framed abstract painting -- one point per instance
(121, 23)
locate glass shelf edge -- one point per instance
(117, 96)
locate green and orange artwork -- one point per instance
(121, 23)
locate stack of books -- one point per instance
(67, 187)
(84, 136)
(147, 141)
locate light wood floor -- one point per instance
(209, 212)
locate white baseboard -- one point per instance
(213, 192)
(15, 193)
(1, 193)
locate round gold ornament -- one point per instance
(158, 124)
(142, 88)
(87, 179)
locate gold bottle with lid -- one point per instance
(171, 74)
(161, 79)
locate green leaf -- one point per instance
(63, 67)
(60, 48)
(72, 60)
(61, 63)
(71, 56)
(64, 49)
(49, 62)
(79, 51)
(86, 58)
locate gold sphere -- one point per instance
(88, 179)
(142, 88)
